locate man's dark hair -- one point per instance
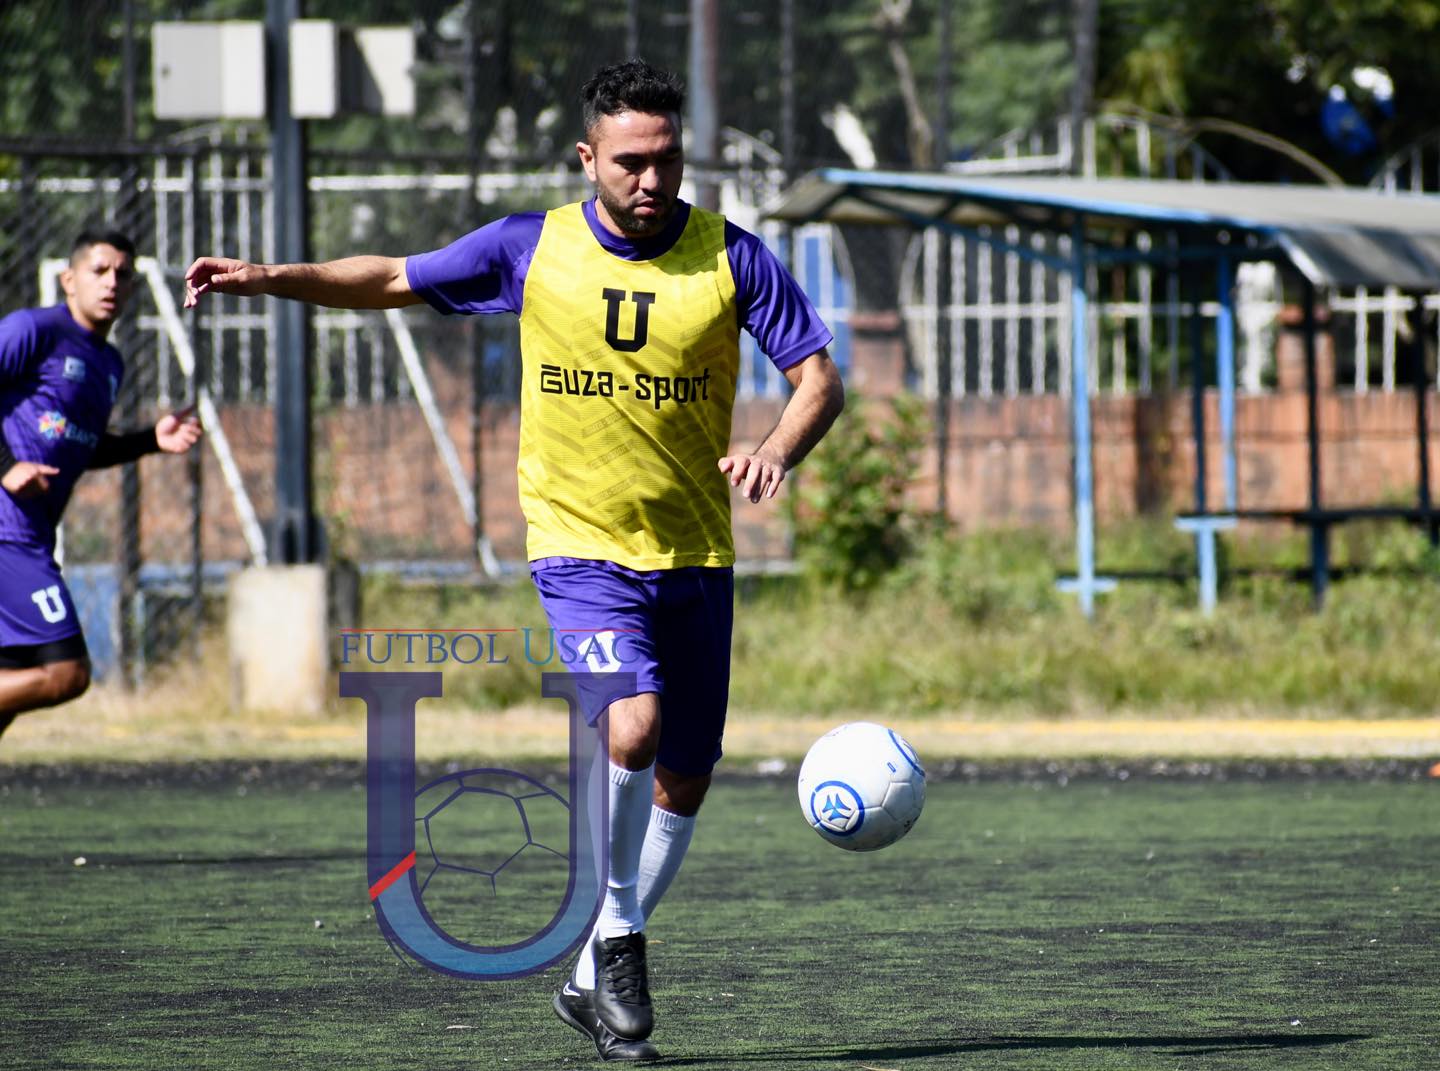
(88, 238)
(632, 86)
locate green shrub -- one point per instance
(987, 576)
(851, 520)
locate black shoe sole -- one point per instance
(637, 1033)
(647, 1053)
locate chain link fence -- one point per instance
(415, 414)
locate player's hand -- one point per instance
(177, 432)
(28, 479)
(758, 475)
(222, 275)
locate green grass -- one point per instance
(1103, 924)
(1371, 653)
(974, 625)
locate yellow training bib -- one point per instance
(628, 386)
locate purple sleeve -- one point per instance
(771, 304)
(19, 338)
(482, 272)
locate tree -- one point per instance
(1270, 66)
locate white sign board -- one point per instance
(387, 55)
(216, 70)
(314, 68)
(209, 70)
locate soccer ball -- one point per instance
(861, 786)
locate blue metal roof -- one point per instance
(1335, 237)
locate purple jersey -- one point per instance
(484, 271)
(58, 383)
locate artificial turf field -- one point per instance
(1290, 920)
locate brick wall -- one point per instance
(379, 479)
(1010, 459)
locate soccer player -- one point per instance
(630, 310)
(58, 382)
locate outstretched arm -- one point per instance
(367, 282)
(818, 399)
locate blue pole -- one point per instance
(1197, 392)
(1080, 423)
(1319, 531)
(1225, 362)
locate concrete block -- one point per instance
(277, 631)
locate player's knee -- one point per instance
(634, 750)
(65, 681)
(635, 731)
(679, 793)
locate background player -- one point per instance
(58, 381)
(630, 310)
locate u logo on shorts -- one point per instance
(52, 607)
(598, 652)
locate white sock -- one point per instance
(666, 840)
(631, 792)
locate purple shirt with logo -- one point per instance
(484, 272)
(58, 383)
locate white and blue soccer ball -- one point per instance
(861, 786)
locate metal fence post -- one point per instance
(296, 534)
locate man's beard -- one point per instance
(631, 224)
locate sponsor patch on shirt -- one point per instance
(74, 368)
(55, 425)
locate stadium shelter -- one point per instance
(1330, 237)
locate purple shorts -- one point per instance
(670, 628)
(35, 605)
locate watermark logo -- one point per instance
(598, 651)
(494, 831)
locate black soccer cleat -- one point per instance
(575, 1008)
(622, 992)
